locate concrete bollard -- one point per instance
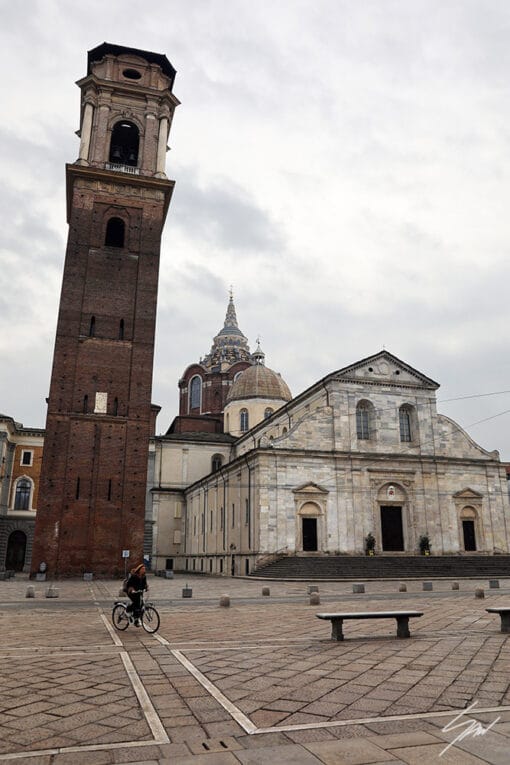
(315, 599)
(427, 586)
(494, 584)
(312, 588)
(52, 592)
(455, 585)
(402, 587)
(225, 601)
(266, 591)
(358, 588)
(30, 593)
(479, 593)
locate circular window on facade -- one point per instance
(132, 74)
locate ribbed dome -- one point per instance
(259, 382)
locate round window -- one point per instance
(132, 74)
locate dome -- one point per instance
(259, 381)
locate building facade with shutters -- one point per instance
(20, 468)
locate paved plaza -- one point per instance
(256, 683)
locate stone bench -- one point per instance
(504, 612)
(402, 618)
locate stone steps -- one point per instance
(386, 567)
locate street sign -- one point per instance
(125, 553)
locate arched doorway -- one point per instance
(309, 534)
(309, 516)
(468, 521)
(392, 501)
(16, 549)
(392, 533)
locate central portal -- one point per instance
(391, 528)
(310, 534)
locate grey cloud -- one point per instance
(223, 214)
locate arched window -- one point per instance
(114, 236)
(404, 415)
(363, 420)
(195, 393)
(115, 406)
(268, 412)
(121, 329)
(85, 404)
(23, 494)
(243, 420)
(124, 144)
(216, 462)
(92, 326)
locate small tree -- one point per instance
(424, 544)
(369, 544)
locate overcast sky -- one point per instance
(344, 164)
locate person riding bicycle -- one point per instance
(136, 583)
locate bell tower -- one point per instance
(99, 419)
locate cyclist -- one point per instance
(136, 583)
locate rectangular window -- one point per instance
(177, 537)
(405, 425)
(233, 515)
(222, 514)
(178, 510)
(211, 520)
(26, 458)
(362, 428)
(22, 496)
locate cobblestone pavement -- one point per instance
(259, 682)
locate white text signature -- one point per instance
(469, 727)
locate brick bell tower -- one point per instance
(99, 420)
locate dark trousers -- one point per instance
(135, 598)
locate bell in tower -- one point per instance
(100, 418)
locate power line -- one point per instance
(473, 395)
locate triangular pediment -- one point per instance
(310, 488)
(385, 368)
(468, 494)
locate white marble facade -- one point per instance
(362, 451)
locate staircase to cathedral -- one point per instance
(386, 567)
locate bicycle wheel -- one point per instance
(150, 619)
(120, 618)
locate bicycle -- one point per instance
(122, 618)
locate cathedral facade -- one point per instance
(361, 455)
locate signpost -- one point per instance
(125, 555)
